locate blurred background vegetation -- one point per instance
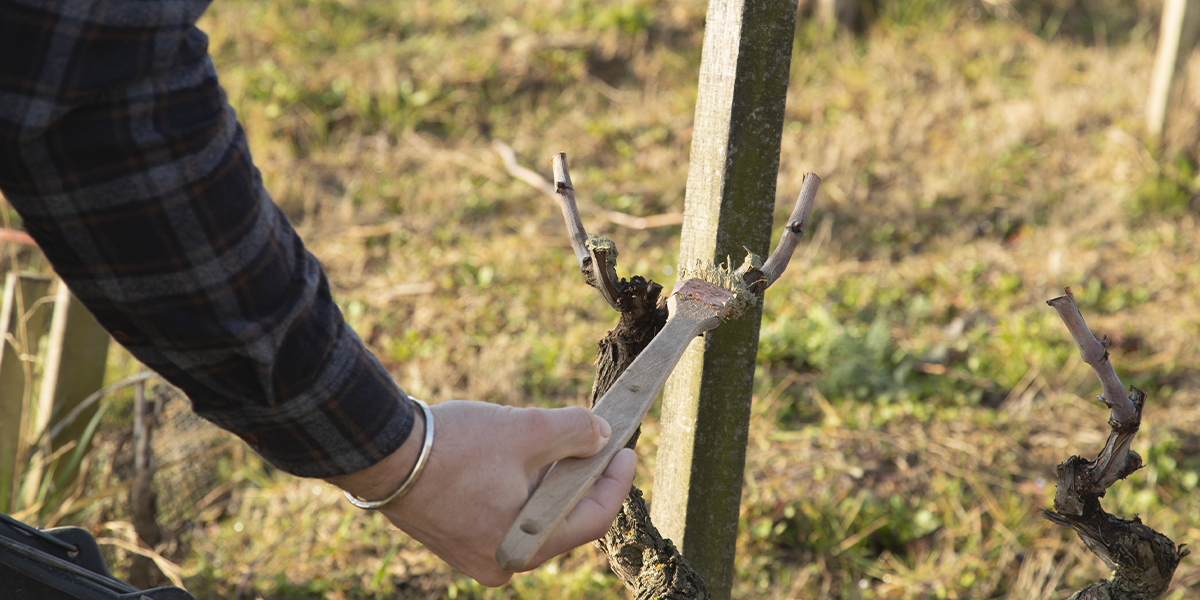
(913, 393)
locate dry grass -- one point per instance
(914, 392)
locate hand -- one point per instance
(486, 461)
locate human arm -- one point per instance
(128, 166)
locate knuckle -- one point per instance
(574, 421)
(583, 425)
(495, 579)
(537, 421)
(582, 419)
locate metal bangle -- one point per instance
(412, 477)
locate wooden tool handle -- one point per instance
(624, 407)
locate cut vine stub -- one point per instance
(1143, 559)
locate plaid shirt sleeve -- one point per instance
(128, 166)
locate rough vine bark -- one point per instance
(1143, 559)
(649, 565)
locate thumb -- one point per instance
(556, 433)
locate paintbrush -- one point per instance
(702, 300)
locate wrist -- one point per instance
(384, 477)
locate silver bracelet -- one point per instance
(412, 477)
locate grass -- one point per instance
(914, 392)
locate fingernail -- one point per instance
(605, 428)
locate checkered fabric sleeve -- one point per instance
(128, 166)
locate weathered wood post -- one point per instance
(730, 199)
(72, 369)
(76, 356)
(75, 362)
(23, 318)
(832, 13)
(1176, 39)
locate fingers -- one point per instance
(555, 433)
(492, 579)
(595, 513)
(483, 460)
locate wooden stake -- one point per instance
(76, 356)
(1176, 38)
(142, 498)
(730, 197)
(22, 323)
